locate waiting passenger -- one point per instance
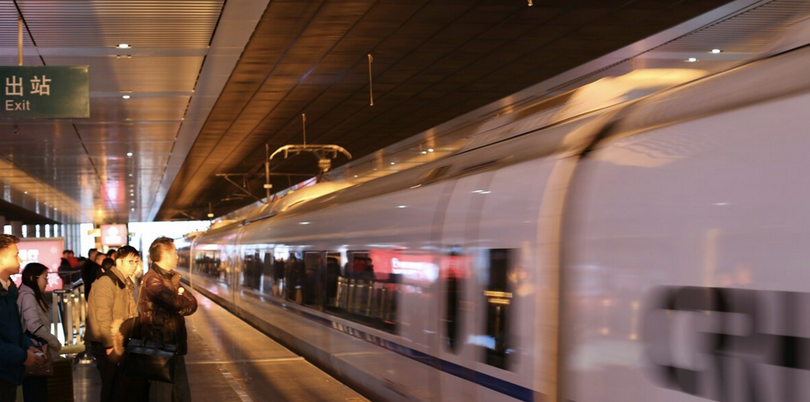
(18, 351)
(111, 303)
(164, 303)
(90, 271)
(36, 322)
(107, 264)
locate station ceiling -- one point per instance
(213, 85)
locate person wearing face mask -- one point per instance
(111, 303)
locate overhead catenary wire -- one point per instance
(370, 89)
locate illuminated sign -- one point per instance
(47, 252)
(415, 267)
(114, 235)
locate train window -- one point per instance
(354, 291)
(267, 273)
(279, 272)
(498, 295)
(209, 263)
(294, 274)
(312, 285)
(253, 269)
(333, 263)
(453, 286)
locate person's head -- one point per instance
(100, 257)
(107, 263)
(127, 260)
(35, 276)
(65, 253)
(91, 254)
(111, 253)
(9, 256)
(163, 253)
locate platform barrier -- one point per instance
(69, 312)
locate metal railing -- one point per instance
(70, 310)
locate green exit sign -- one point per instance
(51, 92)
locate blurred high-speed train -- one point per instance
(606, 245)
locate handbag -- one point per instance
(41, 370)
(149, 359)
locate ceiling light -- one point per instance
(401, 206)
(129, 153)
(304, 223)
(692, 59)
(126, 96)
(132, 209)
(715, 51)
(124, 46)
(25, 192)
(393, 163)
(430, 149)
(210, 215)
(130, 175)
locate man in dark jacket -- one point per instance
(163, 304)
(16, 349)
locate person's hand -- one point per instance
(109, 350)
(35, 357)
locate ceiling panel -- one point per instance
(213, 82)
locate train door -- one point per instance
(515, 295)
(457, 286)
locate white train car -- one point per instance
(609, 250)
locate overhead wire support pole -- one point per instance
(370, 89)
(267, 185)
(19, 41)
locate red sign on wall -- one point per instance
(47, 252)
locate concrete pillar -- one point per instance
(16, 228)
(2, 223)
(30, 230)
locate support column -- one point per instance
(16, 228)
(2, 223)
(31, 231)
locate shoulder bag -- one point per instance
(150, 359)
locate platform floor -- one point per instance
(229, 360)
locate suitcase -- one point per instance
(60, 384)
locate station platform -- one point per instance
(228, 360)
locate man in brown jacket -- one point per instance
(164, 303)
(111, 303)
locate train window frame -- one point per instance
(498, 298)
(453, 289)
(312, 288)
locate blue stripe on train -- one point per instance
(496, 384)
